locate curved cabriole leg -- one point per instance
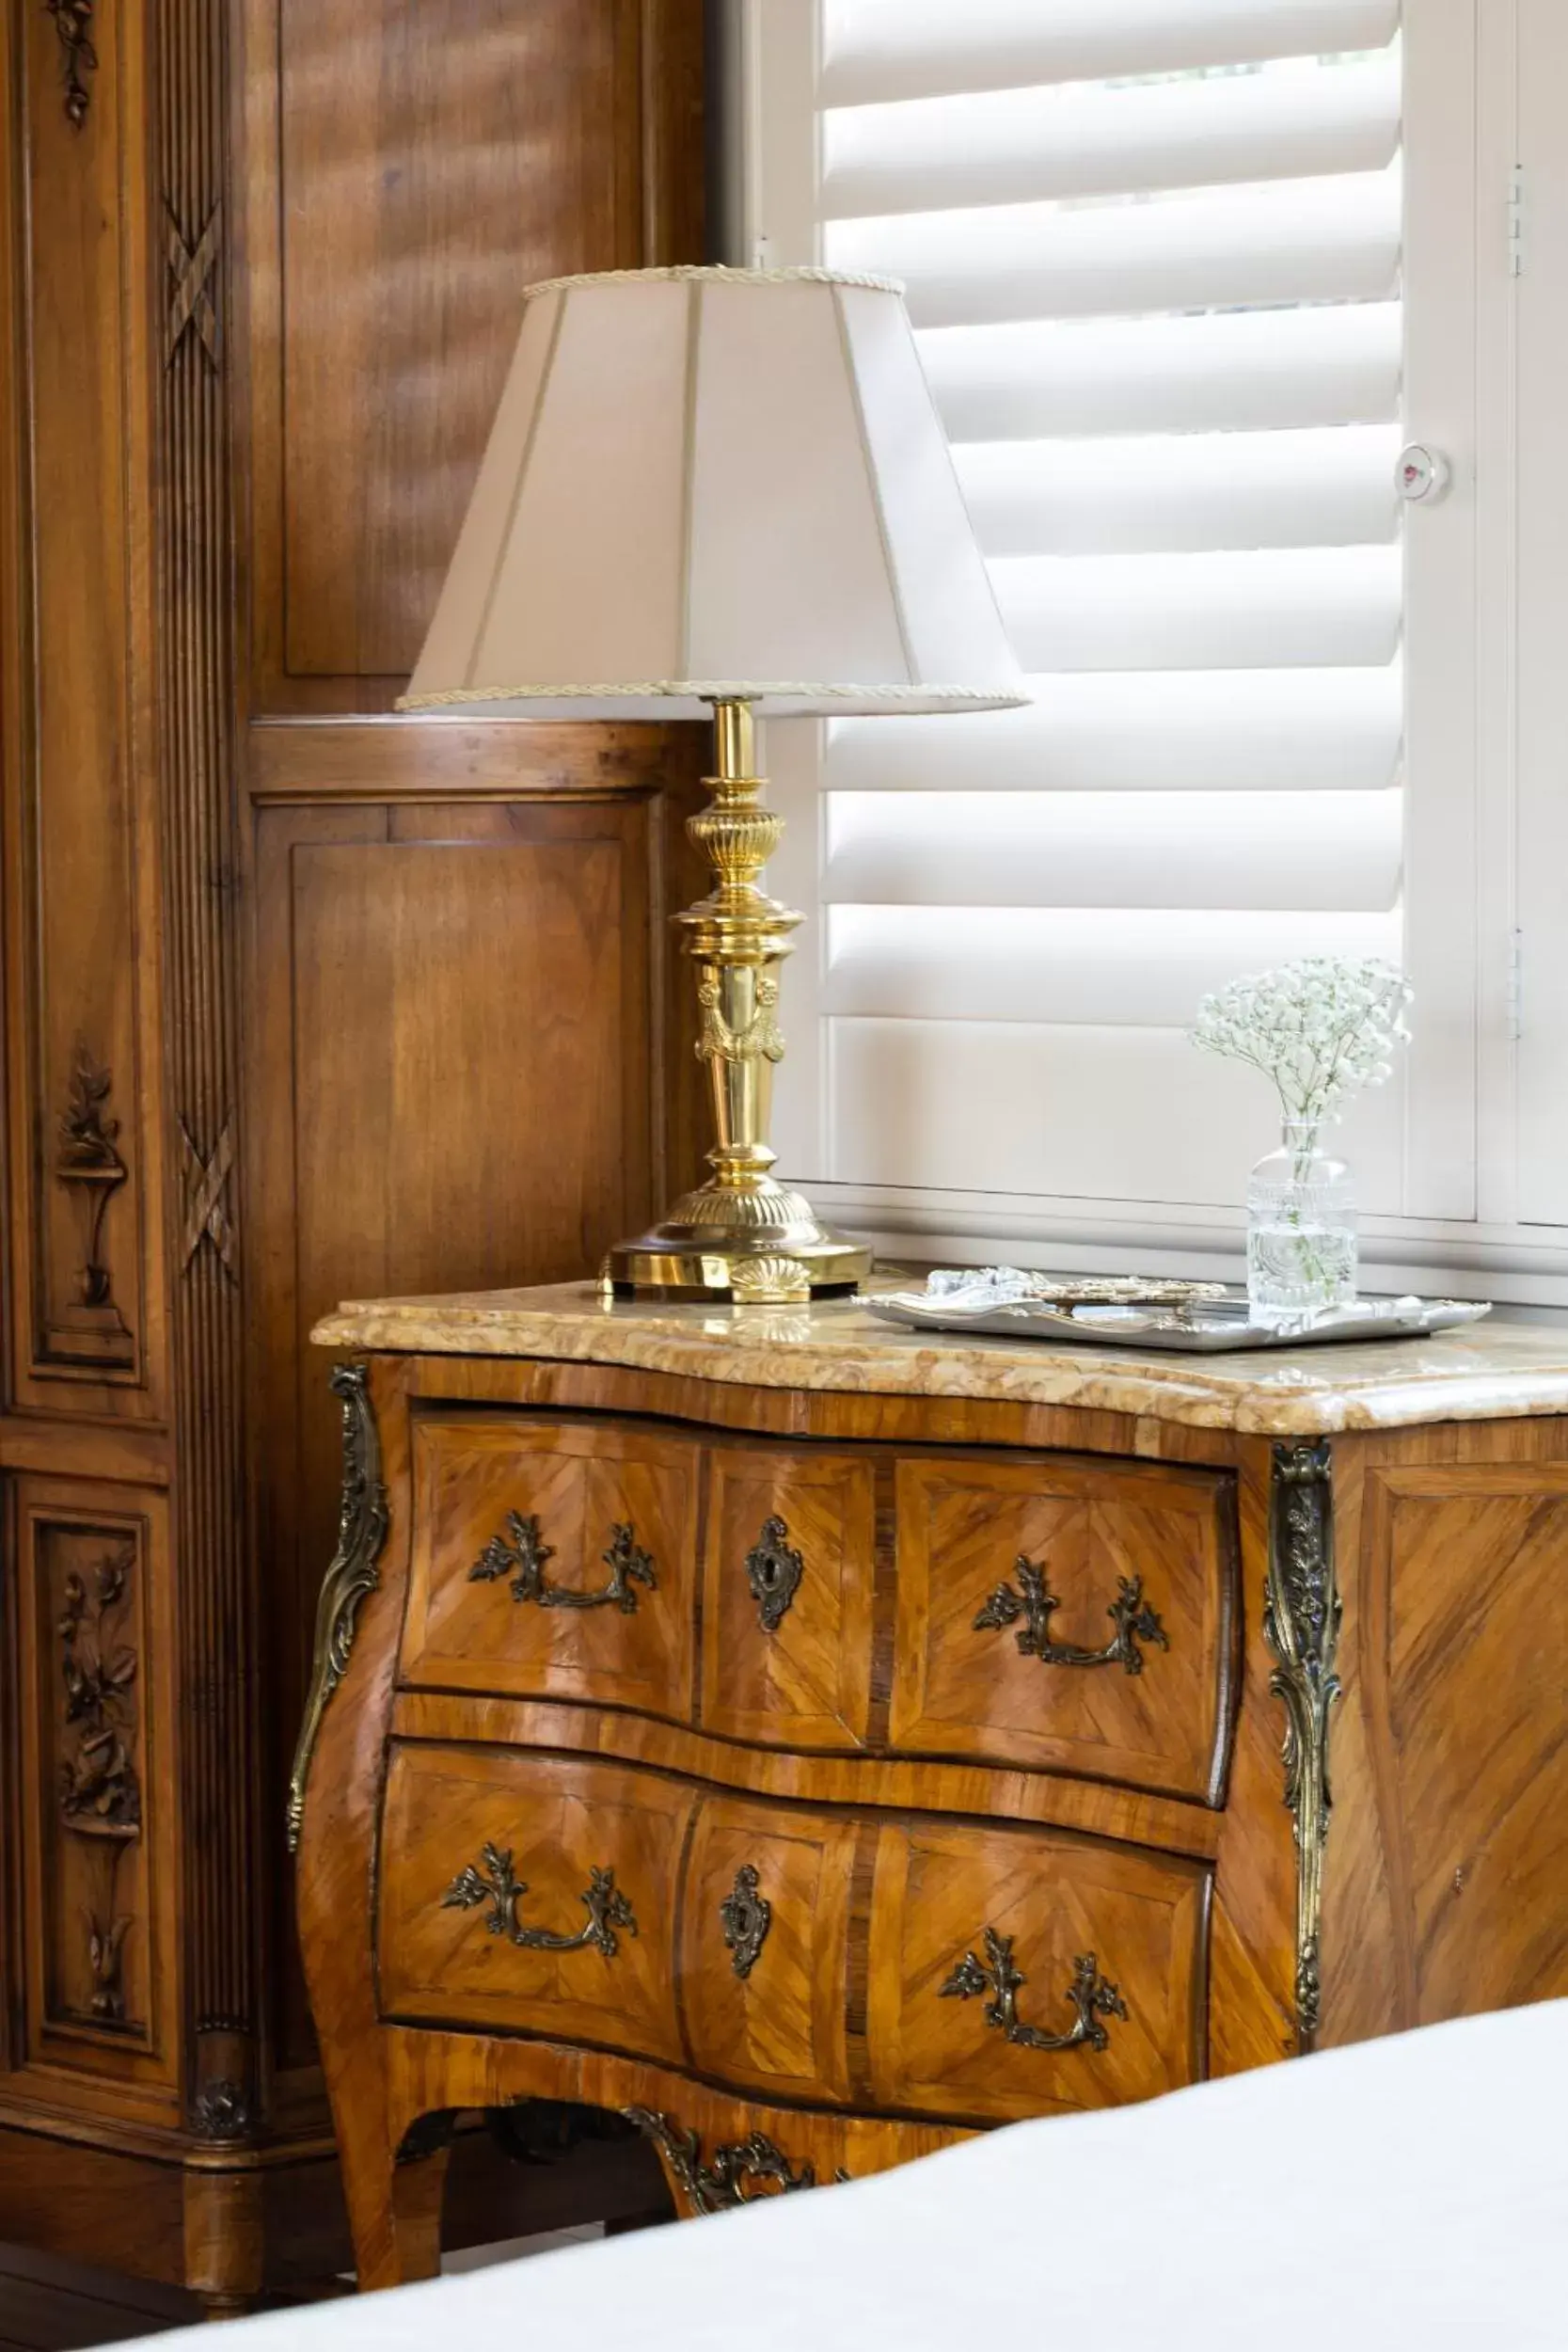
(394, 2209)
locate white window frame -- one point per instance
(1463, 1108)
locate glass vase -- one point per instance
(1301, 1228)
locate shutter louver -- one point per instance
(1151, 250)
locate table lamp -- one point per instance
(728, 492)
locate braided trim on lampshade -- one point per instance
(716, 272)
(699, 689)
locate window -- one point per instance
(1185, 277)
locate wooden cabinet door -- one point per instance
(1075, 1615)
(787, 1595)
(983, 1942)
(485, 1852)
(765, 1913)
(553, 1559)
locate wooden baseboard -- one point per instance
(72, 2204)
(50, 2305)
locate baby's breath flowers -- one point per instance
(1321, 1030)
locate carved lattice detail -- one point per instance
(190, 267)
(206, 1185)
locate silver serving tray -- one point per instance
(1203, 1326)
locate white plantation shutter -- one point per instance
(1153, 254)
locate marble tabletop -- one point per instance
(1485, 1372)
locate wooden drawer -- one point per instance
(988, 1943)
(531, 1893)
(764, 1916)
(787, 1575)
(553, 1559)
(1072, 1615)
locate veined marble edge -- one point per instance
(1102, 1382)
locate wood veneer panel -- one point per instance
(1367, 1973)
(1466, 1602)
(777, 2023)
(93, 2203)
(970, 1527)
(455, 1060)
(802, 1680)
(424, 2070)
(410, 171)
(1253, 1929)
(571, 1485)
(818, 1412)
(1140, 1919)
(1447, 1858)
(990, 1791)
(557, 1824)
(75, 595)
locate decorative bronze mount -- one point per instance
(759, 1036)
(1302, 1609)
(719, 2187)
(1092, 1997)
(74, 23)
(91, 1166)
(746, 1914)
(525, 1554)
(352, 1574)
(773, 1571)
(1133, 1620)
(497, 1885)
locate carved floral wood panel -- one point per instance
(89, 1622)
(73, 21)
(94, 2005)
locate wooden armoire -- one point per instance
(301, 1000)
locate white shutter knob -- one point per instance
(1420, 474)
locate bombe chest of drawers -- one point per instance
(818, 1743)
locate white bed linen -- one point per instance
(1409, 2192)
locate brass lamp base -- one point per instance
(763, 1248)
(742, 1235)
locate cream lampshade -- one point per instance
(725, 491)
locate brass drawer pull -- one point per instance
(717, 2188)
(773, 1571)
(746, 1914)
(522, 1552)
(608, 1908)
(1135, 1622)
(1092, 1997)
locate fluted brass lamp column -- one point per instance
(726, 491)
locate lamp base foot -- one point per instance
(760, 1246)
